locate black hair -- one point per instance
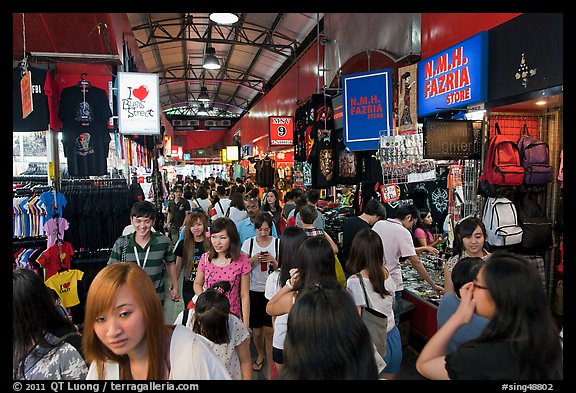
(290, 240)
(465, 271)
(367, 252)
(225, 224)
(313, 195)
(34, 313)
(326, 338)
(308, 214)
(465, 228)
(375, 208)
(315, 260)
(237, 201)
(261, 219)
(202, 193)
(523, 316)
(211, 313)
(144, 209)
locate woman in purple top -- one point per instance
(225, 262)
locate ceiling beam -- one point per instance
(158, 34)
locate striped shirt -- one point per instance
(160, 251)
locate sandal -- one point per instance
(257, 366)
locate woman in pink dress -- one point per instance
(225, 262)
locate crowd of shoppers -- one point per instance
(263, 288)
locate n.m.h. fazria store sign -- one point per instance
(454, 78)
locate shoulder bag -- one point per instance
(375, 321)
(124, 247)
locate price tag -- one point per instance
(26, 94)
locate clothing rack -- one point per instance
(29, 242)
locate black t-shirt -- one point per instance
(322, 160)
(39, 119)
(347, 165)
(178, 211)
(79, 108)
(198, 251)
(86, 149)
(490, 360)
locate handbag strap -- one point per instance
(124, 247)
(364, 289)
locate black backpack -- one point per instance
(538, 228)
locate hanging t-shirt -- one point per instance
(266, 178)
(66, 286)
(78, 108)
(347, 168)
(54, 229)
(47, 198)
(86, 149)
(56, 257)
(39, 119)
(322, 159)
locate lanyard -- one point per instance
(145, 257)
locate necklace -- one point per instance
(225, 262)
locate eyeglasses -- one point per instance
(476, 285)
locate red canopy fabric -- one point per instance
(201, 139)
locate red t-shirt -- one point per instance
(55, 258)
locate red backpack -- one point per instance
(502, 166)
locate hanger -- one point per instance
(83, 83)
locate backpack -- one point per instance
(537, 228)
(502, 166)
(501, 222)
(535, 158)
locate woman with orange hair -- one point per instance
(125, 337)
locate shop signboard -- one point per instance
(177, 152)
(526, 55)
(447, 139)
(245, 151)
(338, 109)
(138, 103)
(281, 130)
(232, 153)
(367, 101)
(455, 77)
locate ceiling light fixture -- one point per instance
(202, 111)
(540, 102)
(224, 18)
(203, 96)
(211, 61)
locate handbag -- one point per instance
(375, 321)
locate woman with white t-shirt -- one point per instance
(237, 209)
(262, 250)
(290, 242)
(366, 257)
(229, 338)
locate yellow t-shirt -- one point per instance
(66, 285)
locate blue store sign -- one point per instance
(367, 101)
(454, 78)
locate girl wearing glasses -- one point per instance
(520, 342)
(470, 235)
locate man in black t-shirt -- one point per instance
(177, 210)
(373, 212)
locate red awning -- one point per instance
(202, 139)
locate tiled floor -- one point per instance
(407, 370)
